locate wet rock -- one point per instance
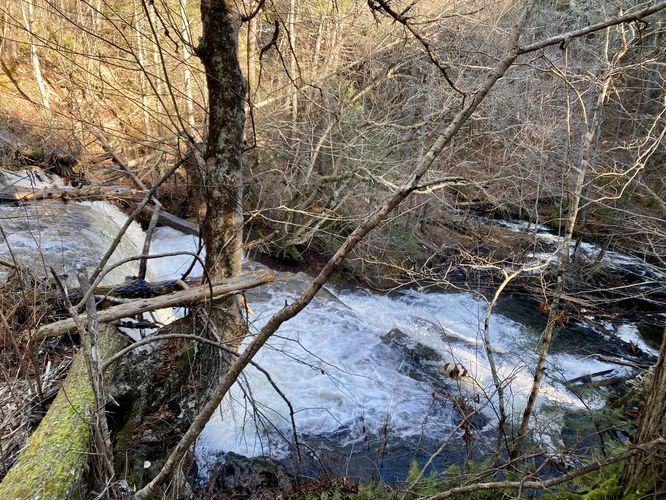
(421, 361)
(416, 352)
(235, 476)
(158, 390)
(395, 335)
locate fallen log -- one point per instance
(55, 457)
(640, 365)
(70, 193)
(104, 294)
(604, 382)
(167, 219)
(139, 289)
(142, 160)
(588, 377)
(577, 301)
(185, 297)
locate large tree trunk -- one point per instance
(159, 389)
(645, 473)
(222, 227)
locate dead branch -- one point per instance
(167, 219)
(185, 297)
(565, 37)
(67, 193)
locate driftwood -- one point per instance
(91, 192)
(167, 219)
(192, 295)
(591, 380)
(69, 193)
(140, 289)
(640, 365)
(534, 291)
(588, 379)
(97, 192)
(137, 289)
(55, 457)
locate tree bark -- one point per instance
(645, 474)
(156, 67)
(251, 51)
(223, 225)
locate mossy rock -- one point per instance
(159, 391)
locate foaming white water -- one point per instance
(337, 373)
(629, 333)
(332, 364)
(591, 251)
(452, 324)
(133, 237)
(341, 377)
(66, 236)
(168, 240)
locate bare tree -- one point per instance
(28, 12)
(645, 474)
(364, 130)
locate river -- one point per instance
(366, 374)
(363, 373)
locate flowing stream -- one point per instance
(366, 374)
